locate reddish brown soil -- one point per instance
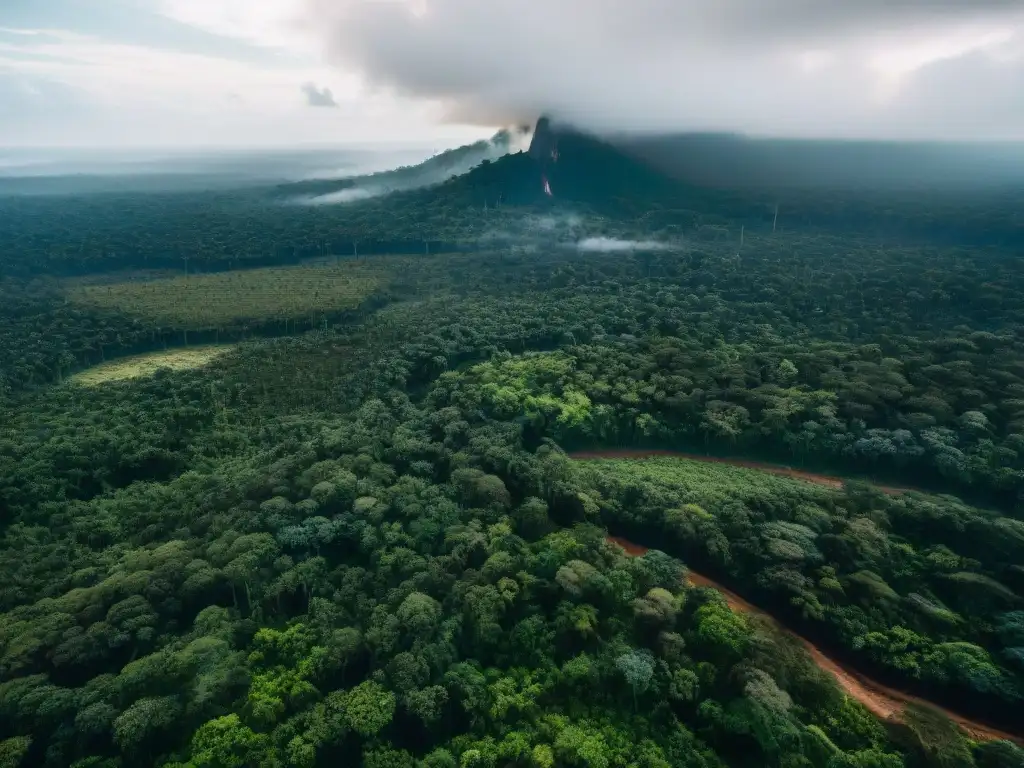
(883, 701)
(830, 481)
(634, 550)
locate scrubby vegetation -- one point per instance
(362, 541)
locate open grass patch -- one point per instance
(304, 293)
(141, 366)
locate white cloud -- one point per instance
(787, 67)
(395, 68)
(269, 23)
(79, 89)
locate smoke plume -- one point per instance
(432, 171)
(613, 245)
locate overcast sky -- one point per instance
(298, 72)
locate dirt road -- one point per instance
(883, 701)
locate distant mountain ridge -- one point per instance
(731, 160)
(565, 165)
(562, 164)
(448, 202)
(683, 182)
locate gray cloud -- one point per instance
(318, 97)
(789, 67)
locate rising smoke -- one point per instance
(433, 171)
(614, 245)
(345, 196)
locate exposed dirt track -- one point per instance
(883, 701)
(830, 481)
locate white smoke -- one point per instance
(434, 170)
(611, 245)
(520, 138)
(569, 221)
(346, 196)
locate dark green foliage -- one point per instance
(871, 572)
(364, 545)
(999, 754)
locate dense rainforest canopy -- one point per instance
(348, 529)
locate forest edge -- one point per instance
(881, 700)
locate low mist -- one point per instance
(611, 245)
(434, 170)
(568, 231)
(81, 171)
(738, 162)
(345, 196)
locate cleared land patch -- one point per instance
(701, 482)
(829, 481)
(141, 366)
(302, 293)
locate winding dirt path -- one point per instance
(830, 481)
(883, 701)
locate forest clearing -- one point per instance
(881, 700)
(829, 481)
(145, 365)
(306, 292)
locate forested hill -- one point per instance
(412, 210)
(967, 193)
(585, 172)
(732, 160)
